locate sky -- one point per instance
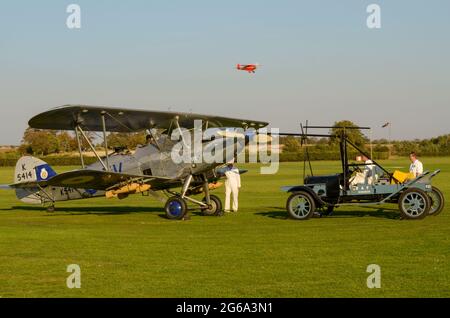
(319, 61)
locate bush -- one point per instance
(326, 155)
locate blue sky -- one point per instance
(319, 61)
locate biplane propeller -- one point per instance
(150, 169)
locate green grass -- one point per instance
(127, 249)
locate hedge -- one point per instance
(326, 155)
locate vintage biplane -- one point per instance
(251, 68)
(150, 169)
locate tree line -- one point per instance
(45, 142)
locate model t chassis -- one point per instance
(321, 194)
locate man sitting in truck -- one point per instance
(367, 175)
(416, 167)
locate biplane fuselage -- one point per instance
(250, 68)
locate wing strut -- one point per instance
(92, 147)
(105, 142)
(180, 131)
(77, 134)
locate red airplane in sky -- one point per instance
(251, 68)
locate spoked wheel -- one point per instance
(175, 208)
(437, 201)
(215, 207)
(300, 206)
(414, 204)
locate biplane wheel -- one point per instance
(51, 209)
(215, 206)
(437, 201)
(414, 204)
(176, 208)
(300, 206)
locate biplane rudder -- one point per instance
(29, 171)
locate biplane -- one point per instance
(150, 169)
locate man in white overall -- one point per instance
(232, 185)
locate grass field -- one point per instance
(128, 249)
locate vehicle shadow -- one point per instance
(377, 212)
(97, 210)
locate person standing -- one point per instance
(232, 185)
(416, 167)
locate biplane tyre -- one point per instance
(175, 208)
(51, 209)
(300, 205)
(414, 204)
(437, 201)
(215, 208)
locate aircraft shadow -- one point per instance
(97, 210)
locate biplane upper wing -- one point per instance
(98, 180)
(127, 120)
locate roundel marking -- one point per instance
(44, 174)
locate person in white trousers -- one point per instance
(232, 185)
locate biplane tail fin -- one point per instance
(27, 175)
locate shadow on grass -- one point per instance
(377, 212)
(96, 210)
(99, 210)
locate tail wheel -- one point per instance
(414, 204)
(215, 207)
(300, 205)
(175, 208)
(437, 201)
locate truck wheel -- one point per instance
(300, 205)
(414, 204)
(215, 208)
(175, 208)
(437, 201)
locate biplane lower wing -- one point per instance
(98, 180)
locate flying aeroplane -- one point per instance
(251, 68)
(149, 170)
